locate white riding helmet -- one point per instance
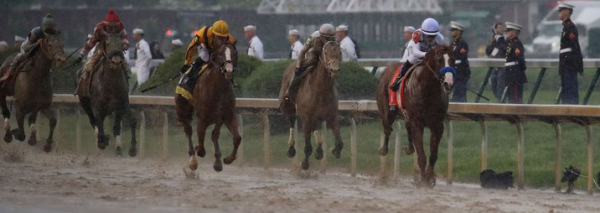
(430, 27)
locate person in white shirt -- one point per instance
(256, 47)
(408, 31)
(346, 44)
(176, 44)
(142, 56)
(91, 53)
(294, 39)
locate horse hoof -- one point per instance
(191, 152)
(47, 148)
(201, 152)
(336, 153)
(383, 151)
(18, 135)
(408, 151)
(319, 153)
(132, 152)
(218, 167)
(119, 151)
(101, 145)
(291, 152)
(193, 164)
(32, 140)
(8, 137)
(305, 164)
(228, 160)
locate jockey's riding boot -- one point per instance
(189, 78)
(396, 85)
(294, 85)
(394, 109)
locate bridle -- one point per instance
(228, 61)
(44, 47)
(323, 57)
(104, 52)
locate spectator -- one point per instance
(294, 39)
(18, 41)
(256, 46)
(497, 49)
(346, 44)
(3, 46)
(408, 31)
(156, 53)
(515, 64)
(142, 56)
(176, 44)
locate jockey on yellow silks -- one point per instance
(210, 39)
(423, 40)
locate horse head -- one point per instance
(226, 59)
(441, 59)
(331, 57)
(113, 48)
(52, 46)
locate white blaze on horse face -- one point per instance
(446, 60)
(449, 78)
(228, 65)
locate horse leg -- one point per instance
(31, 121)
(232, 125)
(387, 130)
(307, 129)
(101, 138)
(417, 132)
(132, 124)
(218, 166)
(51, 115)
(334, 125)
(184, 111)
(292, 141)
(8, 137)
(436, 136)
(86, 104)
(410, 148)
(117, 133)
(201, 129)
(19, 132)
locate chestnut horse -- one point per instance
(213, 101)
(316, 101)
(109, 94)
(33, 89)
(426, 105)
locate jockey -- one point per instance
(424, 39)
(309, 56)
(33, 40)
(111, 25)
(210, 38)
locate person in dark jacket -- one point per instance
(155, 51)
(461, 63)
(570, 58)
(515, 64)
(497, 49)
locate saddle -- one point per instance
(402, 85)
(185, 87)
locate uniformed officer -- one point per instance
(407, 35)
(256, 46)
(497, 49)
(461, 63)
(515, 64)
(294, 39)
(347, 45)
(570, 58)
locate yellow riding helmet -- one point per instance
(220, 28)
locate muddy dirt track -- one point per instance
(37, 182)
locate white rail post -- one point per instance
(142, 134)
(353, 147)
(266, 140)
(450, 140)
(520, 156)
(484, 144)
(397, 150)
(590, 159)
(241, 131)
(165, 134)
(557, 155)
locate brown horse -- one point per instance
(33, 89)
(213, 101)
(316, 101)
(109, 94)
(426, 103)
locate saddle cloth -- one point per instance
(180, 90)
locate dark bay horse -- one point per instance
(109, 94)
(33, 89)
(213, 102)
(426, 104)
(316, 101)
